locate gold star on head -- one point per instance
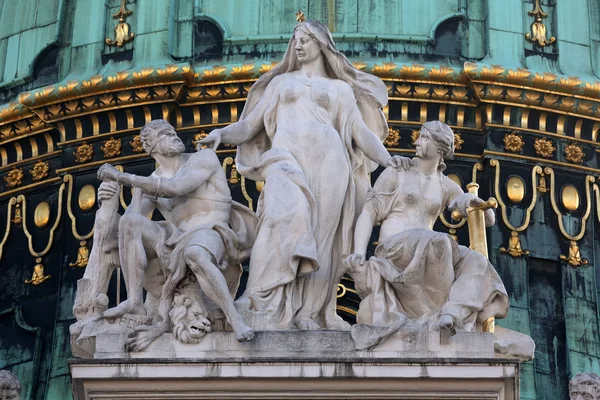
(300, 16)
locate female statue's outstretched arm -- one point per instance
(365, 139)
(247, 127)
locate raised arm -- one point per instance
(246, 128)
(364, 138)
(197, 171)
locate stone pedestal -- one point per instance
(300, 364)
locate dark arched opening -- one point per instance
(448, 38)
(208, 40)
(45, 67)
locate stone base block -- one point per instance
(357, 378)
(298, 364)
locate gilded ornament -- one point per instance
(532, 97)
(542, 188)
(492, 72)
(359, 65)
(415, 135)
(567, 103)
(513, 142)
(458, 141)
(514, 246)
(168, 70)
(489, 325)
(412, 72)
(111, 148)
(18, 218)
(84, 153)
(83, 255)
(233, 176)
(264, 68)
(574, 154)
(300, 17)
(341, 290)
(385, 70)
(544, 147)
(514, 94)
(243, 72)
(260, 185)
(456, 215)
(122, 29)
(41, 215)
(452, 233)
(143, 73)
(87, 197)
(421, 91)
(38, 273)
(217, 72)
(574, 258)
(518, 75)
(570, 197)
(459, 93)
(495, 92)
(515, 188)
(393, 138)
(537, 35)
(40, 170)
(68, 88)
(440, 73)
(14, 177)
(136, 144)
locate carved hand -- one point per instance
(108, 173)
(398, 162)
(213, 139)
(461, 203)
(107, 190)
(354, 261)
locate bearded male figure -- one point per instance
(190, 190)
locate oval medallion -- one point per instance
(87, 197)
(41, 215)
(515, 188)
(570, 197)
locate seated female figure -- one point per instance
(419, 276)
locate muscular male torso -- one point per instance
(209, 202)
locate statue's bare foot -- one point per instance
(336, 322)
(124, 308)
(243, 333)
(446, 324)
(307, 324)
(142, 337)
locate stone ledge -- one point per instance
(376, 379)
(324, 345)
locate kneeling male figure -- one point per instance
(191, 192)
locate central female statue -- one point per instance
(312, 129)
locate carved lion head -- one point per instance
(189, 318)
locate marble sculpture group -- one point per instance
(312, 130)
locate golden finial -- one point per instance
(300, 17)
